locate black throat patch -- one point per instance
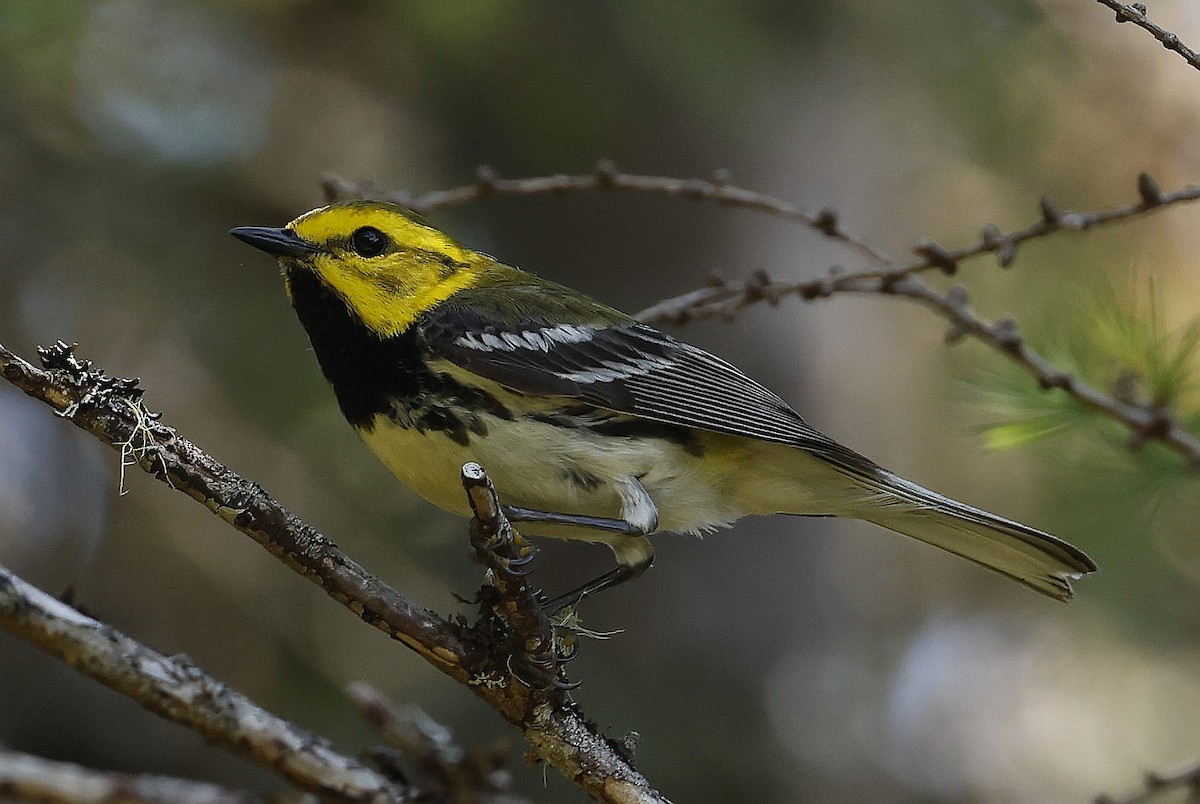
(373, 376)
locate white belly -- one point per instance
(549, 468)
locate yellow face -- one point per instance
(385, 263)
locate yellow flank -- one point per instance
(422, 268)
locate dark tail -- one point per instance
(1036, 559)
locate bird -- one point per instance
(592, 424)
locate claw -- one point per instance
(571, 654)
(524, 560)
(565, 685)
(537, 674)
(522, 565)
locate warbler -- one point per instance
(591, 424)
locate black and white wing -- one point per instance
(627, 367)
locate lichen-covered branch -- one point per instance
(110, 409)
(508, 557)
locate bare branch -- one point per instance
(607, 177)
(31, 778)
(461, 775)
(1156, 782)
(725, 298)
(174, 688)
(109, 408)
(930, 254)
(1146, 420)
(1136, 13)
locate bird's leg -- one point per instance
(639, 516)
(517, 514)
(617, 575)
(608, 580)
(634, 556)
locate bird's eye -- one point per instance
(367, 241)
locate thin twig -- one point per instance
(174, 688)
(474, 775)
(558, 734)
(607, 177)
(1146, 420)
(1136, 13)
(930, 254)
(725, 298)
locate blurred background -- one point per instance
(780, 661)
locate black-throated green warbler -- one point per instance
(598, 427)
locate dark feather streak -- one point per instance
(389, 376)
(686, 387)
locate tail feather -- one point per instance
(1036, 559)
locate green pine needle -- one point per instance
(1120, 344)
